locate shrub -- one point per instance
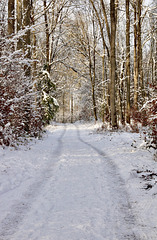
(150, 111)
(19, 116)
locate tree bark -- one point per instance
(11, 17)
(47, 38)
(136, 73)
(139, 46)
(101, 29)
(94, 70)
(106, 20)
(19, 22)
(27, 36)
(34, 51)
(128, 61)
(93, 85)
(113, 64)
(122, 92)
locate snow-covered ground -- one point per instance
(75, 184)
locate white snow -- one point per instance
(46, 96)
(75, 184)
(44, 72)
(55, 102)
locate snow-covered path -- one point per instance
(78, 194)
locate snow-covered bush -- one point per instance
(149, 111)
(48, 102)
(19, 115)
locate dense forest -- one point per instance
(71, 60)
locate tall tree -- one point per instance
(11, 17)
(136, 72)
(139, 46)
(86, 42)
(111, 53)
(113, 63)
(47, 37)
(27, 35)
(128, 60)
(103, 55)
(19, 21)
(2, 25)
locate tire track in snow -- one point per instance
(10, 223)
(78, 201)
(89, 218)
(125, 207)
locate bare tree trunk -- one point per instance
(135, 60)
(34, 41)
(91, 63)
(19, 21)
(2, 26)
(34, 52)
(103, 88)
(105, 47)
(11, 17)
(47, 38)
(93, 86)
(122, 92)
(94, 70)
(113, 64)
(94, 103)
(105, 111)
(152, 60)
(106, 20)
(27, 36)
(153, 50)
(101, 29)
(128, 61)
(139, 45)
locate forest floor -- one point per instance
(77, 184)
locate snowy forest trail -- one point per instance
(22, 197)
(78, 195)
